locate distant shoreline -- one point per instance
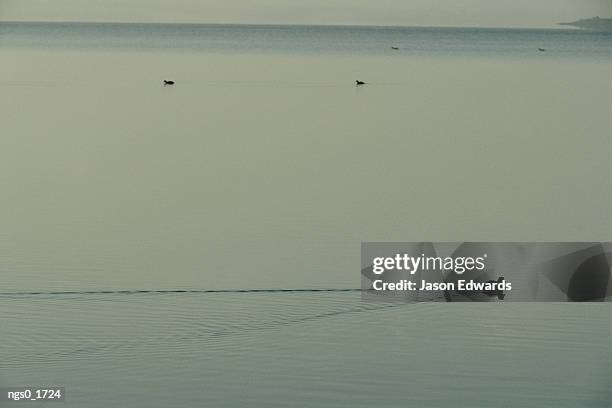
(553, 26)
(595, 23)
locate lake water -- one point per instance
(265, 167)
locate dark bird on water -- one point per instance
(358, 82)
(167, 82)
(499, 293)
(394, 48)
(541, 49)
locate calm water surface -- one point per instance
(264, 168)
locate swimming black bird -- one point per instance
(358, 82)
(499, 293)
(541, 49)
(394, 48)
(167, 82)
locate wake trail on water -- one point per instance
(173, 291)
(134, 327)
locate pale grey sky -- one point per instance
(508, 13)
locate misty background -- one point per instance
(486, 13)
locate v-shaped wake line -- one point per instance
(173, 291)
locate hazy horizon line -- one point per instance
(558, 25)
